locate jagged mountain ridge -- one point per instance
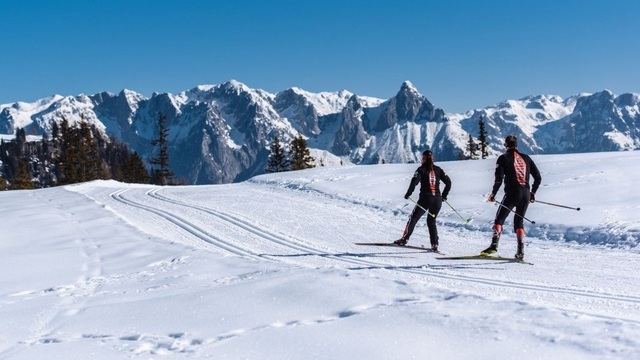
(221, 133)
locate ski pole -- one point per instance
(420, 206)
(466, 221)
(513, 211)
(562, 206)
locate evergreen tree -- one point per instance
(123, 165)
(23, 179)
(135, 170)
(21, 136)
(300, 156)
(91, 167)
(472, 148)
(79, 153)
(46, 169)
(67, 155)
(482, 138)
(162, 175)
(74, 154)
(277, 158)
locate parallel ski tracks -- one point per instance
(183, 223)
(359, 264)
(211, 239)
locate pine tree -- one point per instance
(482, 138)
(67, 155)
(23, 179)
(134, 170)
(277, 158)
(300, 156)
(91, 168)
(472, 148)
(47, 176)
(74, 154)
(163, 174)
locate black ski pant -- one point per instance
(519, 198)
(431, 203)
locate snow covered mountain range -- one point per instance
(221, 133)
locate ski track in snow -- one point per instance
(219, 230)
(237, 226)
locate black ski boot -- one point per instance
(520, 253)
(520, 238)
(492, 249)
(434, 243)
(400, 242)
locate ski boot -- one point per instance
(434, 242)
(400, 242)
(493, 248)
(520, 236)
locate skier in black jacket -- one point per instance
(428, 176)
(514, 168)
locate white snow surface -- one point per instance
(268, 268)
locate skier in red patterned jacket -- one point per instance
(428, 175)
(514, 168)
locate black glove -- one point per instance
(532, 199)
(406, 196)
(444, 197)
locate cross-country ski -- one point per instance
(485, 257)
(422, 248)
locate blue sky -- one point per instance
(460, 54)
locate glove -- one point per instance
(491, 198)
(406, 196)
(532, 199)
(444, 197)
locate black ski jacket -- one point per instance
(505, 169)
(421, 176)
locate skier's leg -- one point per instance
(434, 210)
(416, 214)
(518, 223)
(501, 216)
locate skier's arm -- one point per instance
(447, 185)
(415, 180)
(499, 175)
(537, 178)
